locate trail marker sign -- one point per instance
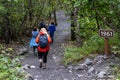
(106, 34)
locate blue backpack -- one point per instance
(43, 41)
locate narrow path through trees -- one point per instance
(54, 70)
(95, 68)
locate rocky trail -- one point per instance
(97, 68)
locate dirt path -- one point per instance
(97, 68)
(54, 71)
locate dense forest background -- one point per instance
(17, 17)
(87, 17)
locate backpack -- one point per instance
(43, 41)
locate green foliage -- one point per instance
(115, 40)
(88, 27)
(2, 10)
(93, 15)
(116, 71)
(115, 44)
(74, 54)
(23, 14)
(9, 65)
(93, 44)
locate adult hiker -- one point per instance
(51, 30)
(43, 40)
(42, 24)
(33, 43)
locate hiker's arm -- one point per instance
(37, 39)
(49, 38)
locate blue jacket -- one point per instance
(34, 34)
(32, 41)
(52, 28)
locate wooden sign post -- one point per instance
(106, 46)
(106, 34)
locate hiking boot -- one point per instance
(40, 66)
(40, 63)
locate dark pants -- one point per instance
(34, 48)
(52, 36)
(43, 56)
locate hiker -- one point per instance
(51, 30)
(42, 24)
(43, 40)
(33, 43)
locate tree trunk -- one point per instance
(30, 10)
(73, 26)
(7, 28)
(79, 40)
(55, 19)
(96, 16)
(97, 20)
(7, 25)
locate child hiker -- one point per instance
(51, 30)
(33, 43)
(43, 40)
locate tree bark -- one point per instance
(7, 29)
(73, 26)
(7, 25)
(30, 10)
(96, 16)
(55, 19)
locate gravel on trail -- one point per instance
(54, 70)
(91, 69)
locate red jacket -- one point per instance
(46, 48)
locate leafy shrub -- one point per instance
(74, 54)
(115, 44)
(94, 44)
(117, 72)
(9, 65)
